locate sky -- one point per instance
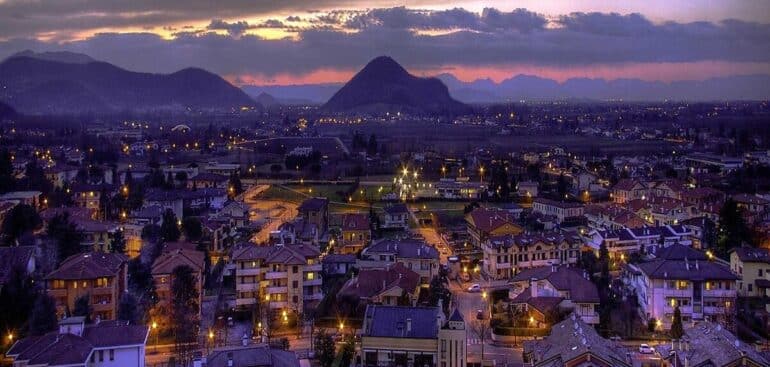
(325, 41)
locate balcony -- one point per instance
(713, 310)
(280, 289)
(278, 304)
(245, 301)
(276, 275)
(101, 291)
(247, 287)
(247, 271)
(681, 293)
(313, 296)
(102, 307)
(314, 267)
(61, 292)
(307, 283)
(719, 293)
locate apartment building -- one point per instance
(753, 266)
(504, 256)
(626, 241)
(563, 211)
(485, 222)
(415, 255)
(284, 277)
(356, 233)
(163, 269)
(101, 276)
(413, 336)
(702, 288)
(395, 216)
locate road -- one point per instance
(272, 213)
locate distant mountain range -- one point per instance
(385, 86)
(69, 83)
(6, 111)
(527, 87)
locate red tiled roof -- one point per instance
(89, 265)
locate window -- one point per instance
(295, 299)
(101, 356)
(112, 354)
(294, 269)
(310, 276)
(750, 286)
(760, 272)
(294, 284)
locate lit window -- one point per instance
(310, 276)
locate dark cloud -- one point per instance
(488, 38)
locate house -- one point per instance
(623, 242)
(100, 276)
(97, 235)
(572, 342)
(284, 277)
(412, 336)
(612, 217)
(542, 290)
(527, 188)
(163, 269)
(337, 264)
(626, 190)
(660, 210)
(394, 285)
(316, 212)
(754, 207)
(236, 212)
(89, 195)
(702, 288)
(753, 266)
(255, 355)
(356, 233)
(710, 344)
(506, 255)
(562, 210)
(486, 222)
(104, 344)
(208, 180)
(396, 216)
(416, 255)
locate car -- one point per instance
(646, 349)
(480, 314)
(475, 288)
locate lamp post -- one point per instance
(155, 330)
(210, 341)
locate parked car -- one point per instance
(475, 288)
(646, 349)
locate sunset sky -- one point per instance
(296, 42)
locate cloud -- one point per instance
(347, 39)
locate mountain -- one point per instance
(385, 86)
(304, 94)
(6, 111)
(58, 56)
(34, 84)
(266, 100)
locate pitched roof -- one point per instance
(252, 356)
(168, 261)
(752, 254)
(371, 282)
(710, 344)
(487, 219)
(391, 322)
(355, 222)
(409, 248)
(90, 265)
(679, 262)
(339, 258)
(529, 239)
(565, 279)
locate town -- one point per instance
(374, 183)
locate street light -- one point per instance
(155, 330)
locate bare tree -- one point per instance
(481, 328)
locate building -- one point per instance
(412, 336)
(208, 180)
(31, 198)
(285, 277)
(396, 216)
(704, 163)
(753, 266)
(527, 188)
(356, 233)
(625, 241)
(710, 344)
(256, 355)
(540, 291)
(506, 255)
(562, 210)
(702, 288)
(394, 285)
(336, 264)
(574, 343)
(163, 269)
(416, 255)
(627, 190)
(104, 344)
(100, 276)
(484, 223)
(315, 211)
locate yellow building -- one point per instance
(753, 266)
(484, 223)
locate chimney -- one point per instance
(409, 325)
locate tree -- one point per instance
(234, 186)
(348, 350)
(677, 330)
(324, 348)
(17, 297)
(481, 328)
(562, 186)
(192, 228)
(604, 263)
(371, 147)
(7, 181)
(184, 309)
(20, 220)
(169, 230)
(66, 234)
(43, 317)
(83, 307)
(118, 242)
(127, 308)
(733, 230)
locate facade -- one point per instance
(356, 233)
(105, 344)
(538, 291)
(396, 217)
(336, 264)
(484, 223)
(703, 289)
(415, 255)
(504, 256)
(625, 241)
(574, 343)
(405, 336)
(101, 276)
(753, 266)
(285, 277)
(563, 211)
(256, 355)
